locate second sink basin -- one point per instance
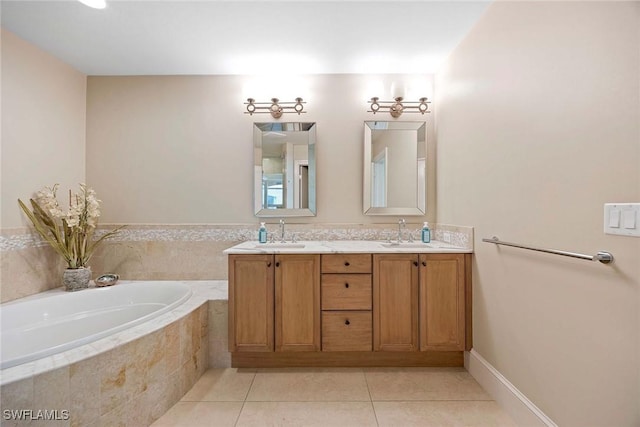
(408, 245)
(279, 246)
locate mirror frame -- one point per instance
(419, 127)
(259, 129)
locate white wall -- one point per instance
(538, 126)
(43, 125)
(179, 149)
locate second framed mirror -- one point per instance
(394, 168)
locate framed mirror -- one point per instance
(394, 168)
(284, 169)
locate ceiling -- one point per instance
(245, 37)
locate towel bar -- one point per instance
(602, 256)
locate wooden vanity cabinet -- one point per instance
(251, 303)
(443, 317)
(381, 309)
(421, 302)
(274, 303)
(395, 302)
(297, 302)
(346, 303)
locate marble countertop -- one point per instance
(343, 246)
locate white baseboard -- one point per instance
(516, 404)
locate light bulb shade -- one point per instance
(96, 4)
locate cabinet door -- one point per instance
(297, 285)
(395, 302)
(442, 302)
(250, 303)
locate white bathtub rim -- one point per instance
(64, 346)
(202, 292)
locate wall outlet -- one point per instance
(446, 236)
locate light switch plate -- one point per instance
(622, 219)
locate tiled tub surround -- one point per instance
(129, 378)
(52, 322)
(177, 252)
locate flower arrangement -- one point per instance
(70, 234)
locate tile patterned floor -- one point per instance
(336, 397)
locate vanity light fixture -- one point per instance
(275, 107)
(397, 107)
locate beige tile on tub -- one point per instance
(195, 414)
(221, 385)
(423, 384)
(319, 414)
(309, 384)
(442, 414)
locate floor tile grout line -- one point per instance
(366, 381)
(245, 398)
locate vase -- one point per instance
(75, 279)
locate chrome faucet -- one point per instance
(401, 224)
(282, 231)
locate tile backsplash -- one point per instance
(175, 252)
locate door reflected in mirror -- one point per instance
(394, 168)
(284, 169)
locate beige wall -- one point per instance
(179, 149)
(43, 125)
(538, 126)
(43, 143)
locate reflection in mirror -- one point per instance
(394, 168)
(284, 169)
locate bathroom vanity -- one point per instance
(348, 303)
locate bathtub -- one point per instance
(53, 322)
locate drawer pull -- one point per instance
(346, 285)
(346, 264)
(268, 264)
(415, 263)
(278, 264)
(424, 263)
(346, 322)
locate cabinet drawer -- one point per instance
(347, 331)
(346, 263)
(346, 292)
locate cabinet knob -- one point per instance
(346, 322)
(268, 264)
(346, 285)
(278, 264)
(424, 263)
(415, 263)
(346, 263)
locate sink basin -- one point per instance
(408, 245)
(279, 246)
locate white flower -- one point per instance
(46, 199)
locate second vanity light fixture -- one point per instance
(399, 106)
(275, 107)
